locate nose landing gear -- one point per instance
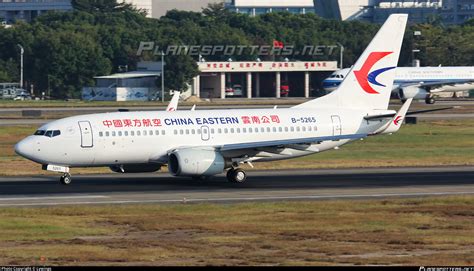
(65, 179)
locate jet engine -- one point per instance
(413, 92)
(195, 162)
(135, 168)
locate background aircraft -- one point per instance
(420, 83)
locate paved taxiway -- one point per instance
(260, 186)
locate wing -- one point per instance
(285, 143)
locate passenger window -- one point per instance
(280, 129)
(212, 131)
(262, 130)
(119, 133)
(107, 134)
(315, 128)
(231, 130)
(132, 133)
(187, 131)
(309, 129)
(193, 131)
(163, 132)
(298, 129)
(274, 129)
(157, 132)
(238, 130)
(250, 130)
(144, 132)
(268, 129)
(244, 130)
(175, 132)
(292, 128)
(150, 132)
(138, 133)
(181, 131)
(199, 131)
(286, 129)
(113, 133)
(303, 129)
(101, 134)
(226, 130)
(126, 133)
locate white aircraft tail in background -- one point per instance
(173, 105)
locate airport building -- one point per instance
(26, 10)
(377, 11)
(457, 11)
(251, 79)
(160, 7)
(248, 79)
(145, 5)
(137, 85)
(254, 8)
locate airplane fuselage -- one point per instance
(148, 137)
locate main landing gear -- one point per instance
(65, 179)
(236, 175)
(430, 100)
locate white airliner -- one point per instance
(205, 143)
(419, 83)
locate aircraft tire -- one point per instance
(430, 100)
(237, 175)
(66, 179)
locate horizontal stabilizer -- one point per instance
(384, 116)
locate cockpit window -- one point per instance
(49, 133)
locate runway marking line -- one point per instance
(53, 197)
(188, 200)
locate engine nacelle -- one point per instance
(135, 168)
(194, 162)
(413, 92)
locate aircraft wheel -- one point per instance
(237, 176)
(66, 179)
(430, 100)
(230, 172)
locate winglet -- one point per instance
(396, 122)
(173, 105)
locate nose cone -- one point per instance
(25, 148)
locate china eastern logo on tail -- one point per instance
(364, 76)
(397, 120)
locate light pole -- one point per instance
(162, 77)
(22, 51)
(415, 62)
(341, 55)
